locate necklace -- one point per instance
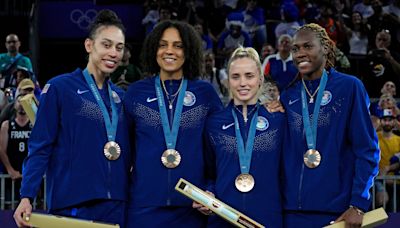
(308, 92)
(173, 96)
(245, 117)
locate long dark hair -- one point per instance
(193, 65)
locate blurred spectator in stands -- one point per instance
(382, 21)
(364, 7)
(206, 41)
(26, 86)
(10, 60)
(14, 135)
(388, 90)
(152, 16)
(386, 101)
(332, 26)
(155, 15)
(356, 35)
(127, 72)
(191, 11)
(289, 24)
(217, 12)
(280, 67)
(389, 144)
(383, 65)
(217, 77)
(270, 92)
(254, 23)
(234, 36)
(393, 11)
(266, 51)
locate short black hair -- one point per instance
(192, 67)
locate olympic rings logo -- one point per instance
(83, 19)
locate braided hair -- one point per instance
(325, 41)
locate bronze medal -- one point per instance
(112, 150)
(171, 158)
(244, 182)
(312, 158)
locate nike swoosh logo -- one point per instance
(224, 127)
(292, 102)
(81, 91)
(151, 99)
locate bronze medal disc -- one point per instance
(171, 158)
(312, 158)
(244, 182)
(112, 150)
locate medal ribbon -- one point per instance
(111, 125)
(311, 130)
(170, 135)
(245, 153)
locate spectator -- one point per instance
(382, 21)
(26, 86)
(389, 144)
(384, 65)
(10, 60)
(280, 67)
(206, 40)
(364, 7)
(289, 24)
(270, 92)
(266, 51)
(217, 77)
(74, 140)
(234, 36)
(343, 171)
(14, 135)
(126, 73)
(242, 156)
(254, 23)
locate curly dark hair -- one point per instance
(106, 18)
(193, 65)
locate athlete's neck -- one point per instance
(99, 76)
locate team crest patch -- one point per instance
(45, 88)
(190, 99)
(326, 98)
(262, 123)
(116, 97)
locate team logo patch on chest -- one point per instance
(116, 97)
(190, 99)
(262, 123)
(326, 98)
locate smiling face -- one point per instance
(244, 81)
(308, 54)
(170, 54)
(105, 50)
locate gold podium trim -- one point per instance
(218, 207)
(51, 221)
(371, 219)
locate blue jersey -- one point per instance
(263, 202)
(152, 183)
(68, 139)
(346, 141)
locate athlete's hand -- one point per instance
(14, 174)
(24, 207)
(274, 106)
(352, 217)
(200, 207)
